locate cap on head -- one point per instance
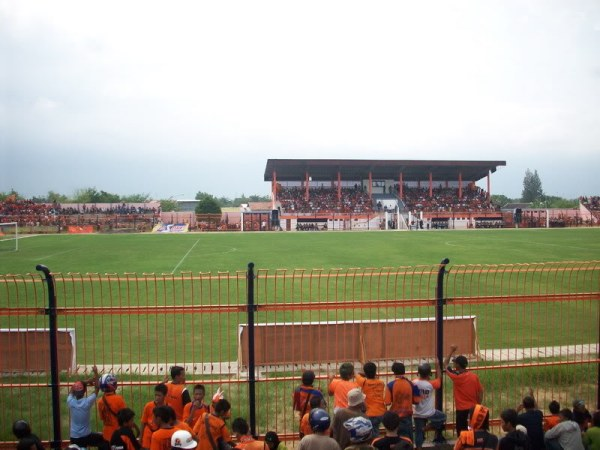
(355, 397)
(461, 361)
(319, 419)
(578, 403)
(359, 428)
(108, 382)
(183, 439)
(21, 429)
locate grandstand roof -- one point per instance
(358, 169)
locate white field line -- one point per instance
(185, 256)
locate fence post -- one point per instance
(251, 357)
(54, 383)
(439, 322)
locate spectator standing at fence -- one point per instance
(26, 439)
(315, 402)
(374, 390)
(566, 435)
(552, 420)
(80, 407)
(210, 430)
(109, 405)
(193, 410)
(513, 439)
(468, 391)
(147, 420)
(340, 387)
(177, 394)
(241, 433)
(320, 422)
(581, 415)
(425, 411)
(124, 438)
(591, 438)
(356, 407)
(532, 419)
(400, 395)
(478, 435)
(304, 393)
(161, 438)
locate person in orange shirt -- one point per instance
(193, 410)
(210, 429)
(305, 428)
(400, 395)
(241, 433)
(109, 405)
(161, 438)
(374, 390)
(468, 391)
(552, 420)
(339, 387)
(148, 426)
(123, 438)
(177, 394)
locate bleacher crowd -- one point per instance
(29, 214)
(356, 200)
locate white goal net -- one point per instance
(9, 237)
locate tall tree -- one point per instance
(532, 187)
(208, 205)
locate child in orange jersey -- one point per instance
(109, 405)
(210, 429)
(315, 402)
(161, 438)
(177, 395)
(339, 387)
(241, 433)
(374, 390)
(193, 410)
(124, 438)
(148, 426)
(552, 420)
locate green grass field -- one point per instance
(148, 339)
(231, 252)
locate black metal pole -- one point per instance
(439, 322)
(54, 383)
(251, 356)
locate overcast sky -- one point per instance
(172, 98)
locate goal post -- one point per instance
(9, 237)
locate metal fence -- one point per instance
(527, 326)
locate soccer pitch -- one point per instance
(231, 252)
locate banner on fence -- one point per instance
(74, 229)
(171, 228)
(25, 350)
(364, 340)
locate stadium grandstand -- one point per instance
(319, 194)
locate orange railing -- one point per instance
(531, 325)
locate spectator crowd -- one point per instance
(366, 413)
